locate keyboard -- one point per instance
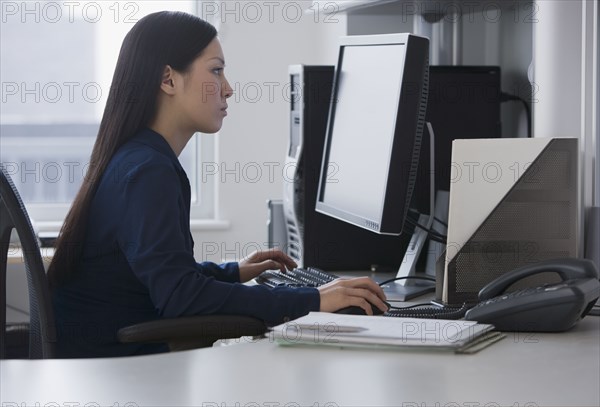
(314, 277)
(299, 277)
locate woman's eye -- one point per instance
(218, 71)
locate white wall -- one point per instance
(566, 77)
(252, 142)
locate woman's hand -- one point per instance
(260, 261)
(360, 292)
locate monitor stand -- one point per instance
(408, 288)
(396, 292)
(404, 290)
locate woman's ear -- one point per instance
(167, 83)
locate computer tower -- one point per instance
(513, 202)
(464, 103)
(314, 239)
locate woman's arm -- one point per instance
(249, 267)
(260, 261)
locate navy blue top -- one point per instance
(138, 261)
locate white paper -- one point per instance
(339, 329)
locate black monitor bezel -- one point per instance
(408, 132)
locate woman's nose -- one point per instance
(227, 90)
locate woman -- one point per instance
(125, 253)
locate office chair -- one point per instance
(41, 331)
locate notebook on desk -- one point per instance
(341, 330)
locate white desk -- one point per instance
(521, 370)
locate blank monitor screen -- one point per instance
(372, 133)
(368, 87)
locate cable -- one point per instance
(433, 235)
(17, 309)
(428, 311)
(441, 222)
(430, 231)
(438, 220)
(506, 97)
(426, 304)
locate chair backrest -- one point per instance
(42, 329)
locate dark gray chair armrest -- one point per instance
(192, 332)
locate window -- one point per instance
(56, 65)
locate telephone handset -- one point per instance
(547, 308)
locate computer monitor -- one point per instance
(374, 131)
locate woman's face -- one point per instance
(202, 100)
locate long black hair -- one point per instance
(155, 41)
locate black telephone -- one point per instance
(547, 308)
